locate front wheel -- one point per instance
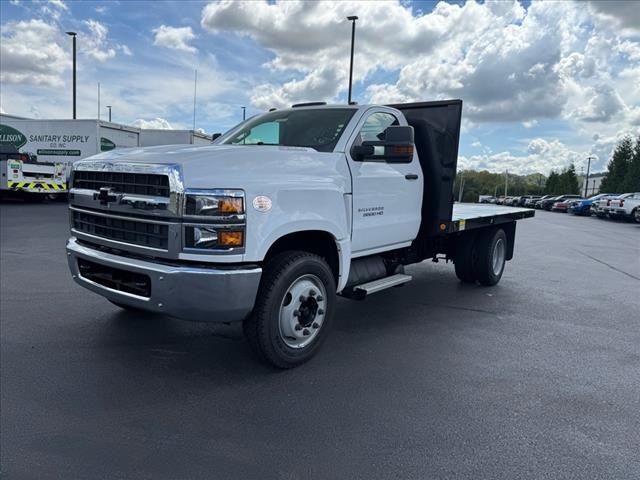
(294, 309)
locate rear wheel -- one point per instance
(636, 215)
(491, 255)
(294, 309)
(463, 261)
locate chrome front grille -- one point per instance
(127, 230)
(150, 184)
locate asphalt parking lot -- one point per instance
(538, 377)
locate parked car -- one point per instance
(625, 207)
(486, 199)
(548, 204)
(500, 201)
(584, 206)
(538, 202)
(508, 201)
(604, 204)
(528, 200)
(563, 205)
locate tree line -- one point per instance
(562, 183)
(623, 170)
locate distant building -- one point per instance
(593, 187)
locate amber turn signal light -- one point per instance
(230, 205)
(230, 239)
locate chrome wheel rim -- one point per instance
(499, 251)
(302, 311)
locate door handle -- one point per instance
(411, 176)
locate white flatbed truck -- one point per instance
(281, 214)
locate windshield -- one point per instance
(316, 128)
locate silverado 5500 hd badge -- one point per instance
(371, 211)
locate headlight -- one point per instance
(214, 220)
(212, 237)
(214, 203)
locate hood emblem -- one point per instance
(105, 196)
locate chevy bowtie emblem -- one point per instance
(105, 196)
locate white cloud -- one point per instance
(59, 4)
(95, 44)
(125, 50)
(30, 54)
(624, 13)
(508, 63)
(604, 102)
(153, 123)
(177, 38)
(541, 157)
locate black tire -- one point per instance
(463, 262)
(485, 250)
(262, 328)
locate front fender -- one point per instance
(301, 210)
(295, 211)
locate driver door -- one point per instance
(387, 197)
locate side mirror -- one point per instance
(397, 147)
(398, 144)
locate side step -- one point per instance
(361, 291)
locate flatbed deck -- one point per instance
(467, 216)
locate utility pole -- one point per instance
(461, 190)
(73, 36)
(109, 107)
(98, 100)
(586, 180)
(352, 19)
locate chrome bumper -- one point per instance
(201, 294)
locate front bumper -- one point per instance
(215, 294)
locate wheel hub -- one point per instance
(302, 311)
(308, 310)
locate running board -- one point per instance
(359, 292)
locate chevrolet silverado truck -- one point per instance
(279, 216)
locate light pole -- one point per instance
(73, 36)
(109, 107)
(586, 180)
(352, 19)
(244, 113)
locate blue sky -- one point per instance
(544, 83)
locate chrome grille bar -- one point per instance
(123, 182)
(130, 230)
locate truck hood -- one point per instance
(238, 166)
